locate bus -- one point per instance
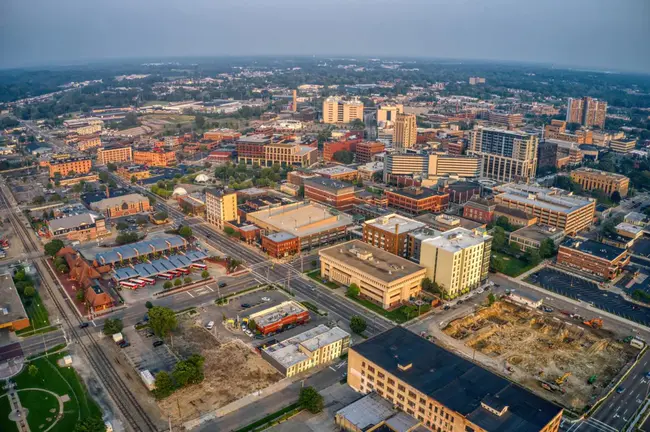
(199, 266)
(139, 283)
(128, 285)
(148, 280)
(166, 276)
(174, 273)
(184, 271)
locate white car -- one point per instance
(480, 291)
(210, 325)
(266, 299)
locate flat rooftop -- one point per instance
(335, 170)
(372, 261)
(276, 313)
(280, 236)
(417, 193)
(592, 247)
(368, 411)
(118, 200)
(592, 171)
(451, 221)
(456, 239)
(457, 383)
(330, 185)
(635, 217)
(301, 219)
(548, 198)
(627, 227)
(69, 222)
(538, 232)
(393, 221)
(11, 306)
(289, 352)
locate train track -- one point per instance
(127, 403)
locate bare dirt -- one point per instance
(535, 349)
(232, 370)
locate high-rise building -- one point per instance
(586, 111)
(294, 100)
(220, 207)
(557, 130)
(405, 133)
(505, 155)
(337, 110)
(367, 149)
(386, 114)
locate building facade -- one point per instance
(479, 209)
(405, 131)
(158, 158)
(592, 179)
(366, 151)
(509, 120)
(600, 259)
(220, 207)
(390, 233)
(280, 244)
(587, 112)
(505, 155)
(386, 114)
(334, 193)
(70, 166)
(106, 155)
(337, 110)
(622, 145)
(124, 205)
(416, 200)
(80, 227)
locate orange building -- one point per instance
(221, 135)
(114, 155)
(158, 158)
(89, 142)
(416, 200)
(281, 244)
(122, 205)
(71, 165)
(331, 147)
(367, 149)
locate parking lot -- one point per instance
(588, 292)
(143, 355)
(641, 247)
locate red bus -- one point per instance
(199, 266)
(128, 285)
(166, 276)
(184, 271)
(147, 280)
(139, 283)
(174, 273)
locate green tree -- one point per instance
(229, 231)
(80, 295)
(134, 179)
(164, 385)
(187, 279)
(32, 370)
(343, 156)
(358, 324)
(121, 226)
(503, 222)
(491, 299)
(178, 282)
(205, 274)
(616, 197)
(90, 424)
(357, 124)
(547, 248)
(111, 167)
(199, 120)
(497, 264)
(168, 284)
(148, 305)
(498, 238)
(314, 263)
(189, 371)
(112, 326)
(311, 400)
(185, 232)
(533, 257)
(353, 290)
(162, 320)
(53, 247)
(142, 220)
(29, 291)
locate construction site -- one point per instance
(569, 362)
(232, 371)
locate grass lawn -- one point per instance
(36, 312)
(513, 266)
(5, 408)
(397, 315)
(41, 406)
(62, 381)
(315, 275)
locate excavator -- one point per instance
(594, 323)
(559, 381)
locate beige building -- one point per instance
(622, 145)
(505, 155)
(587, 111)
(386, 114)
(220, 207)
(405, 132)
(457, 260)
(307, 350)
(382, 277)
(591, 179)
(337, 110)
(89, 129)
(114, 155)
(290, 154)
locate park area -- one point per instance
(566, 362)
(509, 264)
(53, 395)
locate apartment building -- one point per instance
(553, 207)
(88, 129)
(138, 172)
(405, 131)
(334, 193)
(557, 130)
(443, 390)
(592, 179)
(221, 135)
(89, 142)
(70, 166)
(124, 205)
(431, 166)
(509, 120)
(622, 145)
(337, 110)
(106, 155)
(383, 278)
(405, 164)
(586, 111)
(479, 209)
(602, 260)
(416, 200)
(457, 260)
(220, 206)
(157, 158)
(386, 114)
(366, 150)
(260, 150)
(390, 233)
(505, 155)
(307, 350)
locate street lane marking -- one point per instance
(208, 287)
(190, 294)
(605, 425)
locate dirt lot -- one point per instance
(232, 371)
(155, 123)
(536, 349)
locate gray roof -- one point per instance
(118, 200)
(69, 222)
(10, 301)
(280, 236)
(158, 266)
(139, 248)
(368, 411)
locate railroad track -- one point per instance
(130, 408)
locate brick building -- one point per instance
(338, 172)
(334, 193)
(592, 179)
(331, 147)
(106, 155)
(70, 165)
(124, 205)
(280, 244)
(390, 233)
(159, 158)
(590, 256)
(367, 149)
(416, 200)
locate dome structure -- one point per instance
(201, 178)
(179, 191)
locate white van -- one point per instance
(210, 325)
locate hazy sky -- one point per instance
(603, 34)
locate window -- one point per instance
(400, 397)
(412, 395)
(401, 388)
(422, 401)
(390, 390)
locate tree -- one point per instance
(430, 286)
(343, 156)
(164, 385)
(29, 291)
(503, 222)
(311, 400)
(141, 220)
(205, 274)
(358, 324)
(616, 197)
(121, 226)
(314, 263)
(546, 248)
(353, 290)
(189, 371)
(111, 167)
(90, 424)
(497, 264)
(491, 299)
(252, 325)
(229, 231)
(178, 282)
(53, 247)
(498, 238)
(187, 279)
(532, 256)
(32, 370)
(168, 284)
(134, 179)
(38, 200)
(126, 237)
(148, 305)
(185, 232)
(81, 296)
(112, 326)
(162, 320)
(357, 124)
(161, 215)
(199, 120)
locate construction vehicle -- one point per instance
(592, 379)
(594, 323)
(559, 381)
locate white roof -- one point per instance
(179, 191)
(455, 239)
(391, 221)
(201, 178)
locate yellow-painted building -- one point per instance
(114, 155)
(405, 133)
(220, 207)
(386, 114)
(337, 110)
(592, 179)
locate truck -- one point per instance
(118, 338)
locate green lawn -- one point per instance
(41, 406)
(398, 315)
(5, 409)
(315, 275)
(513, 266)
(36, 312)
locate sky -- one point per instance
(593, 34)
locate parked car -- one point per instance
(83, 325)
(210, 325)
(222, 284)
(446, 307)
(266, 299)
(158, 343)
(620, 390)
(245, 305)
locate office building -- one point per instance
(337, 194)
(138, 172)
(557, 130)
(457, 260)
(431, 166)
(416, 200)
(278, 317)
(514, 216)
(260, 150)
(390, 233)
(281, 244)
(443, 390)
(505, 155)
(479, 209)
(405, 164)
(337, 110)
(405, 131)
(592, 179)
(88, 142)
(382, 277)
(78, 227)
(371, 171)
(547, 156)
(586, 111)
(313, 223)
(600, 259)
(106, 155)
(552, 206)
(366, 150)
(387, 114)
(14, 316)
(307, 350)
(338, 172)
(124, 205)
(532, 237)
(444, 222)
(509, 120)
(220, 206)
(69, 167)
(155, 157)
(622, 145)
(221, 135)
(476, 80)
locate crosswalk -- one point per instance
(590, 424)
